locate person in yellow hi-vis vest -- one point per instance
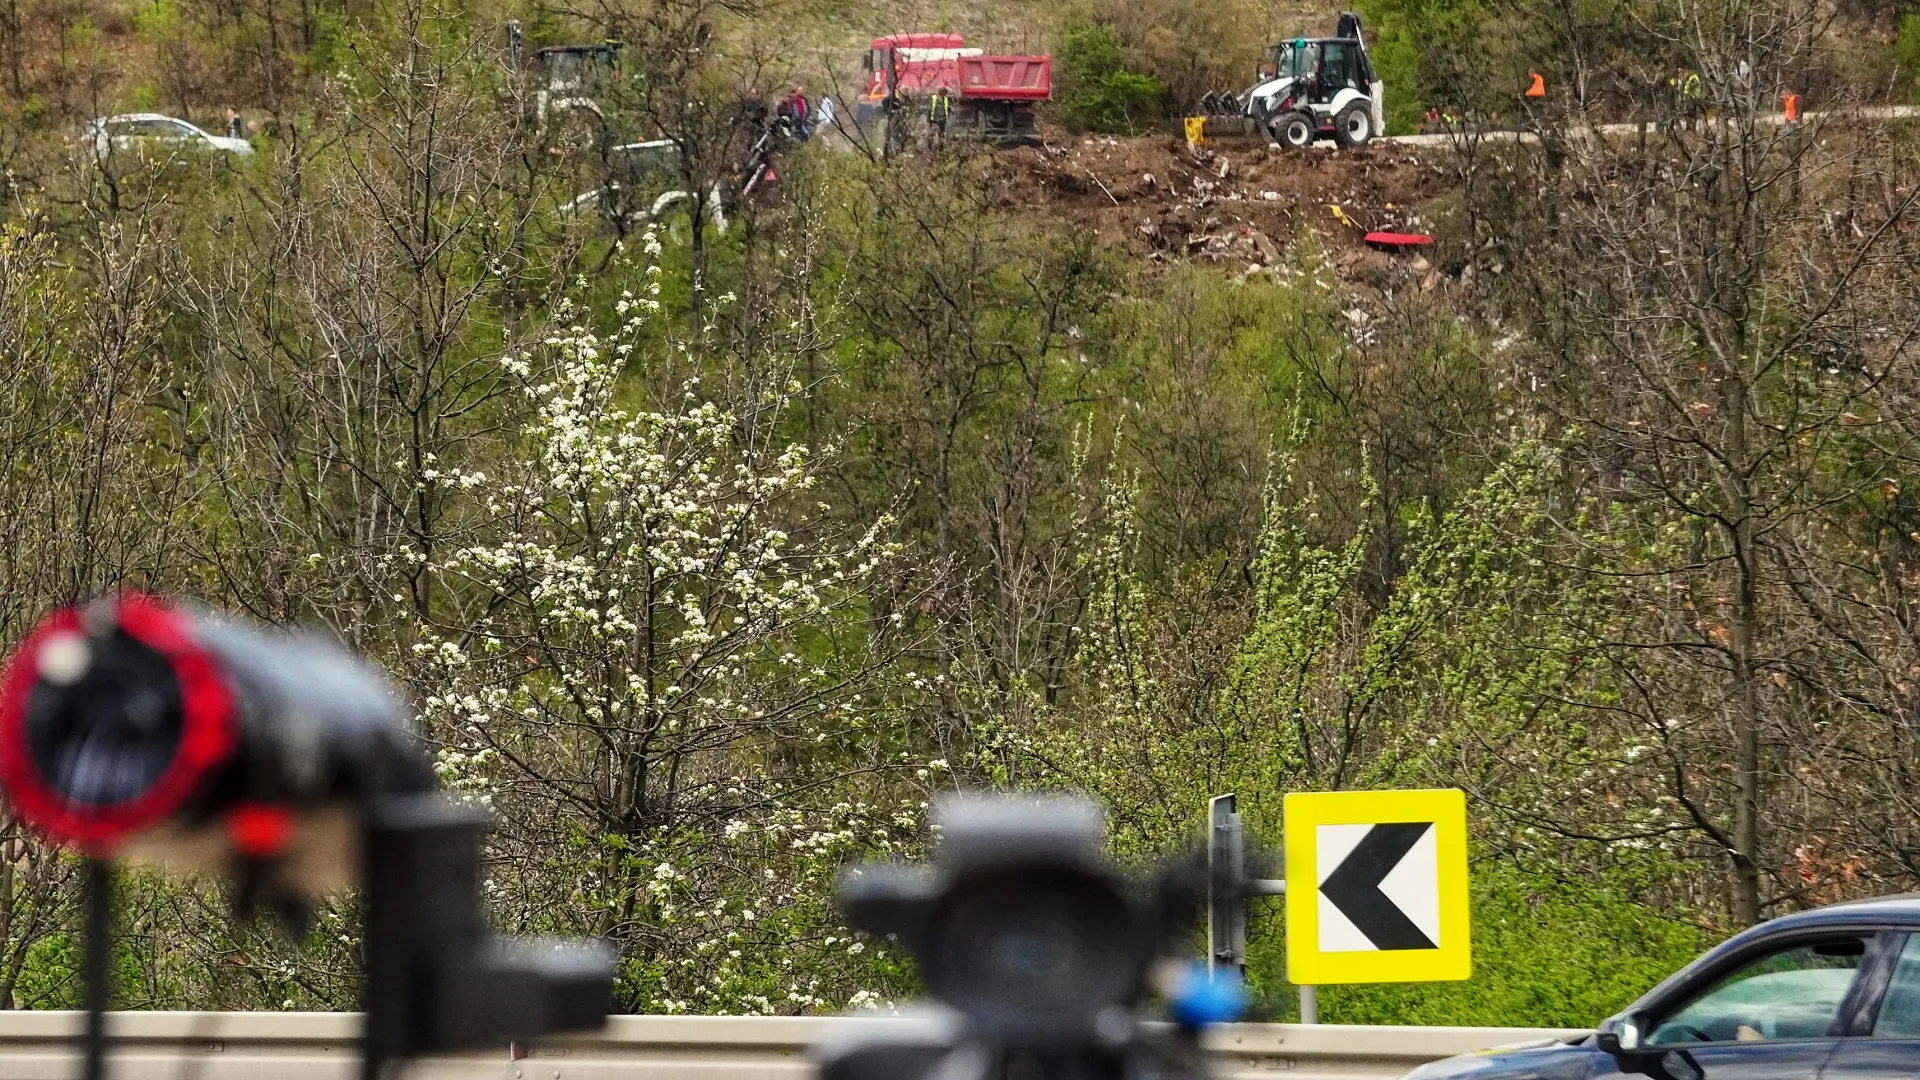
(939, 109)
(1687, 93)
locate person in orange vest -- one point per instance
(1535, 94)
(1791, 102)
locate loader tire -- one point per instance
(1353, 128)
(1294, 130)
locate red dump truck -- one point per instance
(992, 96)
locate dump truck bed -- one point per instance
(1006, 78)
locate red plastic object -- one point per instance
(1397, 241)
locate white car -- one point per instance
(146, 132)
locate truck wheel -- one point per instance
(1294, 130)
(1354, 126)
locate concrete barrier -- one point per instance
(320, 1046)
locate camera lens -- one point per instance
(106, 738)
(1036, 951)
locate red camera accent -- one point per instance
(209, 729)
(260, 831)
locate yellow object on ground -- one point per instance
(1341, 216)
(1196, 130)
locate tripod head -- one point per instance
(130, 727)
(1037, 951)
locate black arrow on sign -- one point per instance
(1354, 886)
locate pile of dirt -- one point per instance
(1232, 205)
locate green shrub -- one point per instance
(1906, 58)
(1099, 92)
(1547, 952)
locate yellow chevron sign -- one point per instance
(1377, 887)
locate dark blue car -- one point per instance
(1832, 994)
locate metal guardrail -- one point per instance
(320, 1046)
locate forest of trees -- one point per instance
(709, 555)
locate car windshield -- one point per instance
(571, 66)
(1296, 58)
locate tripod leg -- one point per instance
(95, 962)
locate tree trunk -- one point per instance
(697, 258)
(1745, 629)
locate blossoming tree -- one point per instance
(660, 671)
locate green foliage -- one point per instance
(50, 977)
(1906, 57)
(1548, 952)
(1098, 91)
(330, 42)
(711, 569)
(1442, 54)
(50, 974)
(1395, 53)
(1322, 692)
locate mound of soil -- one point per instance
(1237, 205)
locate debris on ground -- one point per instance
(1237, 207)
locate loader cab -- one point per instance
(573, 80)
(578, 69)
(1325, 66)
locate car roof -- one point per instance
(1900, 909)
(139, 116)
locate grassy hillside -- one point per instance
(709, 546)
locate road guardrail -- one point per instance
(321, 1046)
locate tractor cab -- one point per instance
(1323, 65)
(570, 70)
(573, 79)
(1311, 88)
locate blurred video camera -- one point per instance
(1037, 952)
(132, 728)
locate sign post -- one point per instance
(1226, 884)
(1229, 889)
